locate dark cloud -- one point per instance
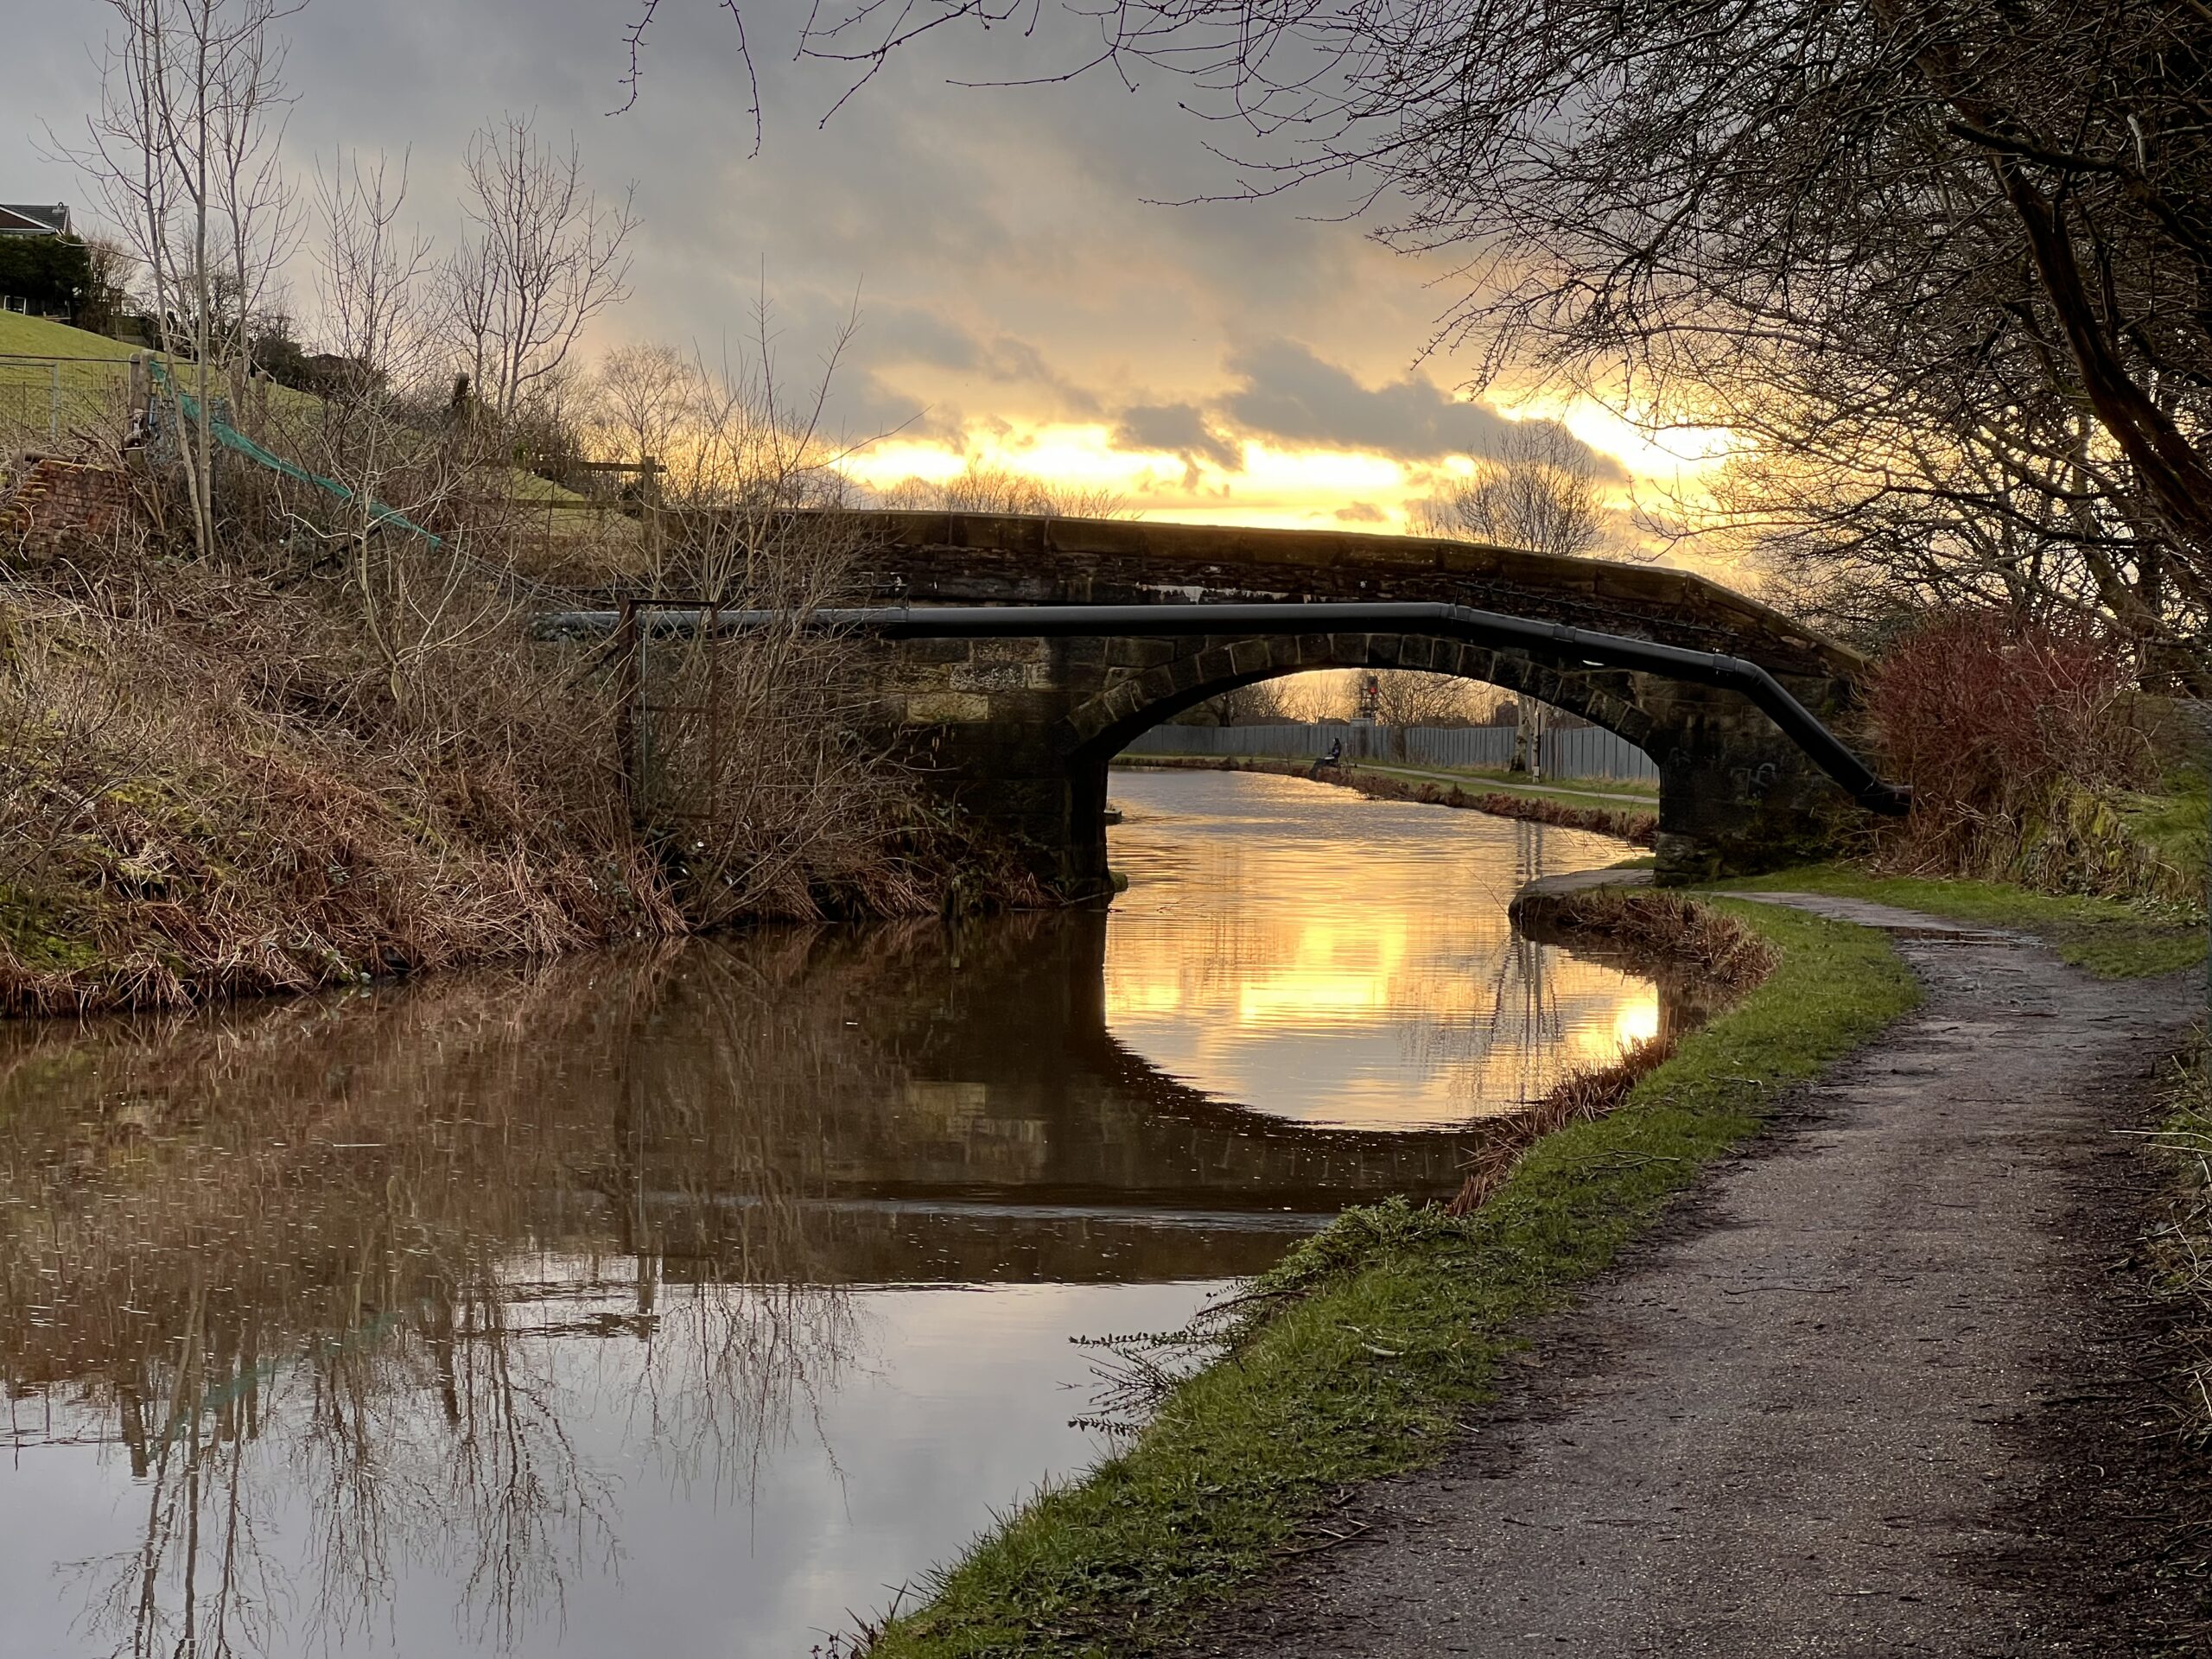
(1290, 393)
(1178, 429)
(1008, 267)
(1361, 513)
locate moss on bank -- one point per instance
(2110, 937)
(1384, 1330)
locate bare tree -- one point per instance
(1539, 491)
(1245, 705)
(544, 255)
(1401, 696)
(1407, 696)
(184, 155)
(419, 594)
(982, 488)
(642, 398)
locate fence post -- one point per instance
(53, 403)
(629, 686)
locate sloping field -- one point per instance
(54, 379)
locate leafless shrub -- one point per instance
(755, 769)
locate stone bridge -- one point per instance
(1020, 731)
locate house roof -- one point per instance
(41, 218)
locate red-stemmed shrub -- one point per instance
(2014, 737)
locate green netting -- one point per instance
(236, 441)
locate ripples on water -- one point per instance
(680, 1302)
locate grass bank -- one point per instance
(1367, 1347)
(1567, 808)
(2110, 938)
(237, 777)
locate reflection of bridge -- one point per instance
(1058, 1155)
(1021, 729)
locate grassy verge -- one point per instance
(1604, 790)
(1382, 1332)
(1565, 809)
(1601, 792)
(2108, 937)
(2181, 1242)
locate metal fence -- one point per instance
(1576, 752)
(45, 398)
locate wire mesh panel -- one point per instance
(43, 399)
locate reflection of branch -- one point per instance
(297, 1257)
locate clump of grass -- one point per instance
(1668, 933)
(1360, 1354)
(2113, 939)
(2183, 1240)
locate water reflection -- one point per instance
(676, 1302)
(1346, 962)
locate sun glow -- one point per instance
(1275, 485)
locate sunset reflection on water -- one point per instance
(1337, 960)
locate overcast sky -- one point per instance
(1021, 300)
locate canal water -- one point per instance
(686, 1301)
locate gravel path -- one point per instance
(1876, 1391)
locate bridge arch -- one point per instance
(1104, 725)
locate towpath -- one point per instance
(1880, 1387)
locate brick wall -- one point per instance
(59, 504)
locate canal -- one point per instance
(681, 1301)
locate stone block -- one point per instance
(1350, 649)
(984, 677)
(947, 708)
(1158, 683)
(1008, 650)
(934, 651)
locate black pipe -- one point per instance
(1551, 641)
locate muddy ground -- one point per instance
(1895, 1382)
